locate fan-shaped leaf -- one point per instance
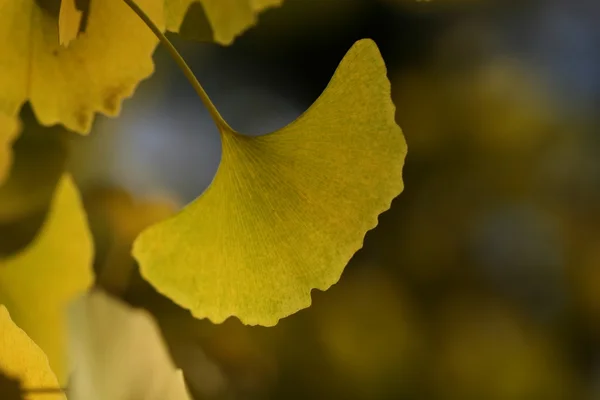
(285, 211)
(68, 85)
(36, 284)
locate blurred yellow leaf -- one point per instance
(118, 353)
(9, 129)
(498, 107)
(485, 350)
(368, 330)
(227, 18)
(116, 218)
(100, 68)
(285, 211)
(504, 107)
(69, 21)
(20, 358)
(36, 284)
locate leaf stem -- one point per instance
(214, 113)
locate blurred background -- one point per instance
(483, 279)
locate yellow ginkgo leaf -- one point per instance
(95, 73)
(285, 211)
(36, 284)
(22, 359)
(9, 129)
(69, 21)
(227, 18)
(118, 353)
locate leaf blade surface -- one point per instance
(285, 211)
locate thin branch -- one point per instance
(214, 113)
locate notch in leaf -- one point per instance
(70, 20)
(98, 69)
(226, 18)
(286, 211)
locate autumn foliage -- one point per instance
(283, 216)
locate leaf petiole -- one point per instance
(214, 113)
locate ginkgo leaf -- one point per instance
(285, 211)
(22, 359)
(227, 18)
(69, 21)
(37, 284)
(95, 73)
(9, 129)
(118, 353)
